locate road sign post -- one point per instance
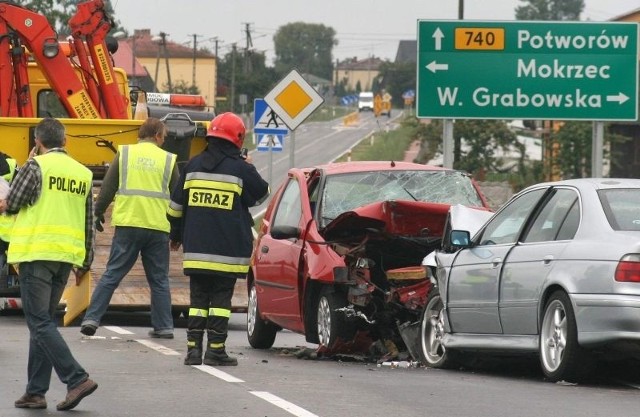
(527, 70)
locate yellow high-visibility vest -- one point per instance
(53, 229)
(143, 193)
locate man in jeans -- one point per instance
(140, 178)
(52, 233)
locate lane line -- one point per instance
(285, 405)
(217, 373)
(158, 348)
(118, 330)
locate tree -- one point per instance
(550, 10)
(58, 12)
(479, 138)
(396, 78)
(305, 46)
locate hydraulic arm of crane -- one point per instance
(89, 28)
(90, 25)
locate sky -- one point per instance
(363, 28)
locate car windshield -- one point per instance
(345, 192)
(622, 207)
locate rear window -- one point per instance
(622, 207)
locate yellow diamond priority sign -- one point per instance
(293, 99)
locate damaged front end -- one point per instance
(383, 245)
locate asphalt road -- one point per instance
(139, 376)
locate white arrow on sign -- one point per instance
(620, 98)
(438, 35)
(434, 66)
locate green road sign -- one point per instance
(527, 70)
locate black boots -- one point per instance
(194, 345)
(216, 354)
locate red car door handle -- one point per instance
(264, 249)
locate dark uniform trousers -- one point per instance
(211, 291)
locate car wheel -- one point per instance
(261, 333)
(560, 355)
(332, 325)
(432, 351)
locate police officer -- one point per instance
(209, 216)
(140, 178)
(53, 232)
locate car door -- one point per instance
(531, 260)
(473, 286)
(277, 263)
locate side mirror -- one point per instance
(285, 232)
(460, 239)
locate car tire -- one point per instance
(261, 333)
(332, 325)
(561, 356)
(432, 352)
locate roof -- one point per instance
(364, 166)
(630, 16)
(407, 51)
(147, 46)
(367, 64)
(123, 58)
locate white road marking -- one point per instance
(158, 348)
(285, 405)
(217, 373)
(118, 330)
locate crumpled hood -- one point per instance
(395, 217)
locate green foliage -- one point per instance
(325, 113)
(398, 78)
(563, 10)
(181, 87)
(306, 47)
(58, 12)
(384, 146)
(256, 82)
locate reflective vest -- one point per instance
(143, 193)
(53, 229)
(12, 169)
(6, 220)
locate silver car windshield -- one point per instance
(345, 192)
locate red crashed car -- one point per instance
(340, 248)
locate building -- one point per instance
(353, 72)
(159, 60)
(628, 152)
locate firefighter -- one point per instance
(209, 216)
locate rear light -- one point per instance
(628, 269)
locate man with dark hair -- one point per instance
(140, 179)
(52, 234)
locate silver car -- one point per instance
(555, 272)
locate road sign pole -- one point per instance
(447, 143)
(292, 149)
(597, 149)
(270, 162)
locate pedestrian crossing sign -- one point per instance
(271, 142)
(266, 121)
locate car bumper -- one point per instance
(604, 319)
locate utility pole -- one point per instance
(195, 52)
(247, 49)
(215, 76)
(233, 77)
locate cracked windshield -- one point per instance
(349, 191)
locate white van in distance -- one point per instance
(365, 101)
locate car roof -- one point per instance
(364, 166)
(595, 183)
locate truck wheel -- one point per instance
(432, 352)
(261, 333)
(332, 325)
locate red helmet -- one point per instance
(227, 126)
